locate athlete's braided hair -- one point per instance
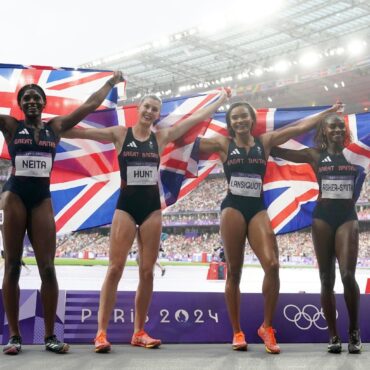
(22, 91)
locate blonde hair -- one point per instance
(150, 96)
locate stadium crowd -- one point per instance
(206, 197)
(294, 248)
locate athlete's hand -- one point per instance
(225, 93)
(116, 78)
(338, 107)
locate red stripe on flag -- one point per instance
(292, 207)
(55, 105)
(197, 107)
(28, 76)
(260, 126)
(187, 138)
(347, 139)
(58, 106)
(80, 81)
(358, 150)
(48, 68)
(220, 130)
(346, 121)
(60, 175)
(193, 133)
(194, 183)
(175, 163)
(4, 152)
(104, 164)
(131, 115)
(80, 203)
(8, 100)
(88, 165)
(300, 172)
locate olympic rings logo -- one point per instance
(306, 317)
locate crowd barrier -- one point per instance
(182, 317)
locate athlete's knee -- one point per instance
(234, 274)
(348, 278)
(115, 271)
(12, 269)
(146, 273)
(327, 281)
(47, 272)
(272, 267)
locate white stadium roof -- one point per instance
(305, 52)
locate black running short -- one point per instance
(139, 202)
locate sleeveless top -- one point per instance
(30, 158)
(245, 171)
(139, 161)
(336, 177)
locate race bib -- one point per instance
(142, 175)
(246, 185)
(337, 187)
(33, 164)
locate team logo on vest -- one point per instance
(132, 144)
(235, 152)
(151, 145)
(327, 159)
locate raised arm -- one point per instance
(115, 134)
(165, 136)
(307, 155)
(280, 136)
(64, 123)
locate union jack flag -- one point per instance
(80, 169)
(66, 89)
(291, 189)
(85, 178)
